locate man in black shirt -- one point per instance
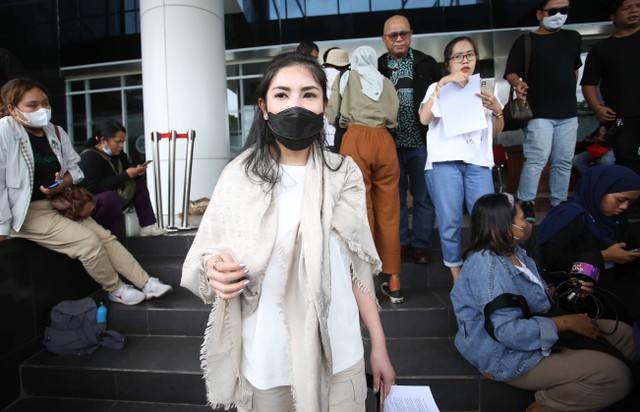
(614, 65)
(550, 88)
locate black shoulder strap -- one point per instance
(106, 157)
(506, 300)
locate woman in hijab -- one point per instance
(367, 105)
(508, 328)
(593, 228)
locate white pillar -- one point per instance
(184, 87)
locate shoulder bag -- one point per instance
(75, 202)
(517, 113)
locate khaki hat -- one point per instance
(337, 57)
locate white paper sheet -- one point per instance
(409, 398)
(461, 109)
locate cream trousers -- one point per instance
(348, 393)
(102, 256)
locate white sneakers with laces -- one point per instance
(129, 295)
(151, 230)
(155, 288)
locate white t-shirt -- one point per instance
(265, 341)
(474, 148)
(529, 274)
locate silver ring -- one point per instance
(213, 266)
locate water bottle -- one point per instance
(101, 314)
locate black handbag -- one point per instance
(517, 113)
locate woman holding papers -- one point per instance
(462, 122)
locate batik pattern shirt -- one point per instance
(407, 134)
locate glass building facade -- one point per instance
(87, 52)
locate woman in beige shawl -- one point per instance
(285, 255)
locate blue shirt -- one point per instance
(521, 342)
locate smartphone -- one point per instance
(488, 85)
(55, 184)
(145, 164)
(375, 401)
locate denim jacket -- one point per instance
(16, 174)
(521, 342)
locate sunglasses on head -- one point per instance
(555, 10)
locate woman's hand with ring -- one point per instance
(227, 277)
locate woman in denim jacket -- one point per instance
(520, 355)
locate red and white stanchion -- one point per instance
(156, 137)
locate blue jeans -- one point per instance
(412, 163)
(451, 184)
(582, 161)
(548, 139)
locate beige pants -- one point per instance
(102, 256)
(582, 380)
(348, 393)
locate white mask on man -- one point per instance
(554, 22)
(39, 118)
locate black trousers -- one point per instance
(626, 144)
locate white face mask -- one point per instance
(554, 22)
(39, 118)
(526, 233)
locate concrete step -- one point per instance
(97, 405)
(149, 369)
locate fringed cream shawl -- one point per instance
(241, 220)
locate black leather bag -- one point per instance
(517, 113)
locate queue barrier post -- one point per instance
(172, 137)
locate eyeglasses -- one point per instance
(458, 58)
(403, 35)
(555, 10)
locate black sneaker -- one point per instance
(395, 296)
(529, 214)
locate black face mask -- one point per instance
(296, 127)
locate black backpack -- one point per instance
(75, 331)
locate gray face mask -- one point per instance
(554, 22)
(296, 128)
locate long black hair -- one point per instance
(262, 162)
(491, 221)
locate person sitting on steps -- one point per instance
(116, 184)
(35, 154)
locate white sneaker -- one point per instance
(155, 288)
(151, 230)
(127, 295)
